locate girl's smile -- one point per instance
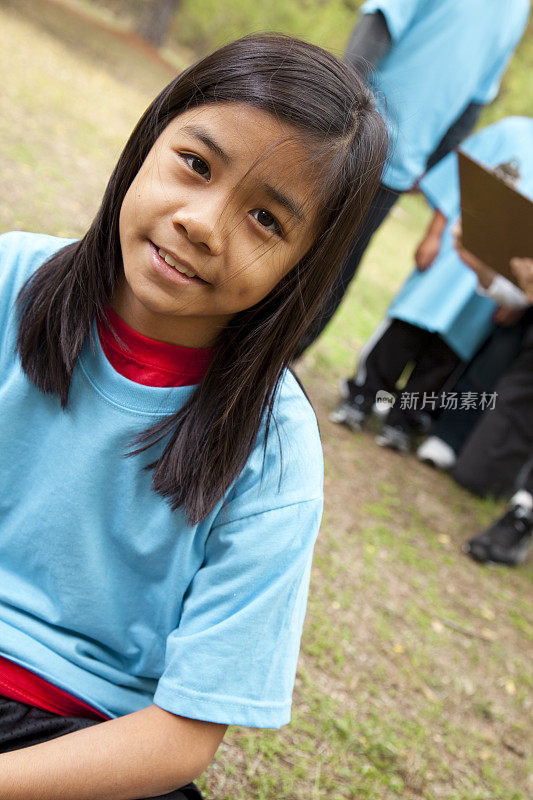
(218, 213)
(168, 265)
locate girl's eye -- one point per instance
(197, 165)
(266, 219)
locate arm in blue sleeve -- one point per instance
(232, 658)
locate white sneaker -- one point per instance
(436, 453)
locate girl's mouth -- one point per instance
(172, 266)
(172, 263)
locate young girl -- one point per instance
(161, 469)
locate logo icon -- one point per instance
(384, 401)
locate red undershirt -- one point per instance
(144, 361)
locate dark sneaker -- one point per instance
(421, 423)
(507, 541)
(347, 388)
(350, 414)
(395, 438)
(354, 409)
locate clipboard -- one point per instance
(497, 219)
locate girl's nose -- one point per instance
(202, 224)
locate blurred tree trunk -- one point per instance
(156, 19)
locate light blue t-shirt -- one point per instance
(445, 54)
(108, 593)
(443, 299)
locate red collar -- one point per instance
(148, 361)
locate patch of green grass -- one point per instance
(379, 510)
(521, 623)
(345, 757)
(322, 644)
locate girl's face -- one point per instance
(218, 213)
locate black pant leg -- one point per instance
(380, 207)
(524, 479)
(454, 426)
(189, 792)
(22, 725)
(481, 374)
(380, 367)
(502, 442)
(435, 362)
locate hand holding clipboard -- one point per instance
(497, 219)
(521, 268)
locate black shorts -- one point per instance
(22, 725)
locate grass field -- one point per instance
(415, 673)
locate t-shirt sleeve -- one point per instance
(441, 186)
(399, 14)
(16, 263)
(21, 254)
(232, 659)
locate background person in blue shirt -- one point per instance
(437, 64)
(438, 319)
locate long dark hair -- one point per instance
(328, 104)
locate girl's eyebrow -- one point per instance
(283, 200)
(203, 136)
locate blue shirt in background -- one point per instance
(445, 54)
(443, 299)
